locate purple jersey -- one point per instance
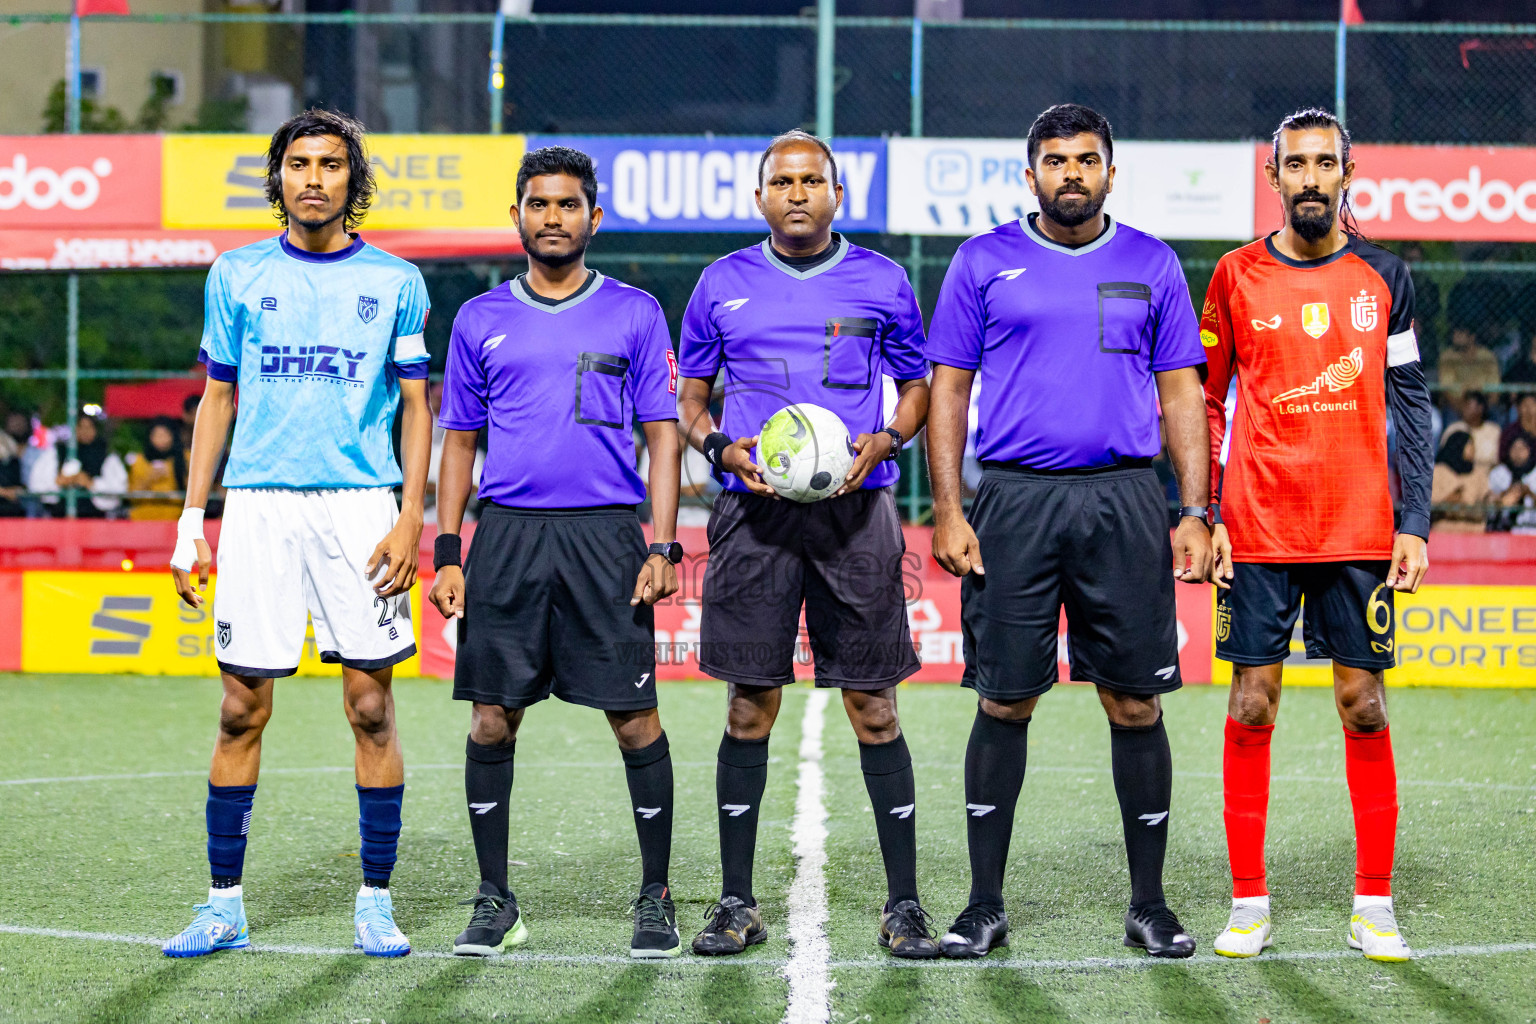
(560, 385)
(823, 334)
(1066, 341)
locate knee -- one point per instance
(1133, 712)
(1251, 706)
(1013, 711)
(369, 713)
(242, 717)
(876, 722)
(1361, 707)
(492, 726)
(750, 718)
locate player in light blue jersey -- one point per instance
(321, 336)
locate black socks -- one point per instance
(740, 777)
(994, 774)
(488, 787)
(649, 774)
(888, 778)
(1143, 769)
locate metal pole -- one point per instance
(72, 302)
(826, 30)
(72, 76)
(1339, 50)
(498, 79)
(914, 467)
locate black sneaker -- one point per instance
(905, 930)
(976, 932)
(733, 926)
(494, 924)
(655, 925)
(1155, 929)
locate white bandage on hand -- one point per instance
(189, 530)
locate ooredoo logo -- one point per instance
(43, 188)
(1460, 200)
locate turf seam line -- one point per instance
(810, 953)
(778, 963)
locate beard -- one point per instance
(1311, 226)
(582, 240)
(1071, 213)
(315, 224)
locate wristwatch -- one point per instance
(672, 551)
(896, 442)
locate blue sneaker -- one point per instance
(218, 924)
(375, 921)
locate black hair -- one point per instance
(1316, 117)
(559, 160)
(1065, 120)
(1478, 397)
(191, 402)
(795, 135)
(313, 122)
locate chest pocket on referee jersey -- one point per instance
(600, 390)
(1125, 318)
(848, 363)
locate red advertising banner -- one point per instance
(933, 612)
(1428, 193)
(79, 182)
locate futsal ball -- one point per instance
(805, 452)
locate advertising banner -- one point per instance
(424, 181)
(1452, 193)
(706, 183)
(133, 622)
(1169, 189)
(79, 181)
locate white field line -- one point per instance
(1130, 961)
(810, 952)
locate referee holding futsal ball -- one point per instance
(1078, 326)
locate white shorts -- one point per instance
(285, 555)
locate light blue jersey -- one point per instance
(317, 343)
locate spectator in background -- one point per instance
(1523, 369)
(96, 469)
(1426, 307)
(20, 428)
(161, 466)
(11, 488)
(1483, 303)
(1524, 424)
(1469, 449)
(188, 422)
(1466, 366)
(1512, 483)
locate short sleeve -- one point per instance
(1177, 344)
(219, 350)
(464, 385)
(958, 329)
(655, 377)
(410, 344)
(699, 346)
(902, 348)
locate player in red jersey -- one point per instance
(1316, 323)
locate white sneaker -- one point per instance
(1247, 932)
(1373, 931)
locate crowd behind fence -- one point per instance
(427, 72)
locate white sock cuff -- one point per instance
(1251, 901)
(232, 893)
(1361, 902)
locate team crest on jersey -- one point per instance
(223, 634)
(367, 308)
(1314, 318)
(1362, 312)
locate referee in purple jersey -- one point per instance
(1078, 327)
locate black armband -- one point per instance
(447, 549)
(714, 446)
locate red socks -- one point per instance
(1373, 793)
(1245, 785)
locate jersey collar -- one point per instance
(1321, 261)
(806, 273)
(521, 293)
(1027, 225)
(306, 256)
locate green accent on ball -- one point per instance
(785, 433)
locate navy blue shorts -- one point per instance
(1349, 617)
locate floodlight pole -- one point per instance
(826, 32)
(72, 307)
(914, 467)
(498, 80)
(1340, 50)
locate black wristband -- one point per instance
(1192, 512)
(447, 550)
(714, 445)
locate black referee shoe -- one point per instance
(655, 925)
(905, 932)
(976, 932)
(1155, 929)
(733, 926)
(494, 924)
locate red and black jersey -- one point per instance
(1320, 348)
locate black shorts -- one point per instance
(546, 611)
(1349, 616)
(1096, 543)
(840, 557)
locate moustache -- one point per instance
(1310, 197)
(1073, 186)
